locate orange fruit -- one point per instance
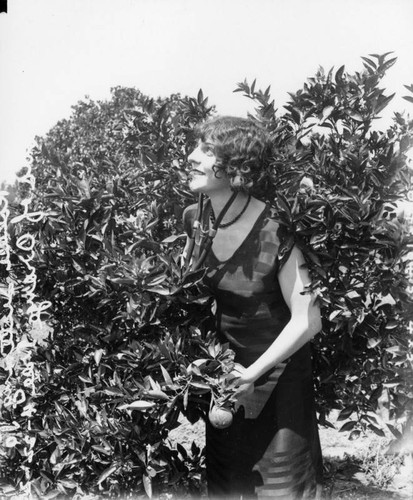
(220, 417)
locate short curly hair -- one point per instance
(243, 149)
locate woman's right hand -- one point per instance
(242, 388)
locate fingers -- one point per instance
(236, 379)
(244, 389)
(236, 373)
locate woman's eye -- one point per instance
(209, 150)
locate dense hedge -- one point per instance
(125, 328)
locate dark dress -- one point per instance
(272, 449)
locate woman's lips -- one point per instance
(192, 173)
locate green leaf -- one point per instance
(68, 483)
(396, 433)
(396, 349)
(295, 114)
(391, 323)
(373, 342)
(348, 426)
(98, 355)
(326, 113)
(193, 277)
(157, 394)
(253, 86)
(339, 74)
(377, 430)
(173, 238)
(182, 450)
(113, 391)
(383, 103)
(106, 473)
(355, 116)
(285, 206)
(370, 63)
(140, 405)
(354, 435)
(388, 64)
(200, 385)
(166, 376)
(345, 413)
(334, 314)
(200, 97)
(408, 98)
(159, 290)
(147, 484)
(101, 449)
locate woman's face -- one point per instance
(202, 176)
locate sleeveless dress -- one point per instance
(272, 449)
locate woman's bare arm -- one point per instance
(305, 319)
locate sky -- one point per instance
(53, 53)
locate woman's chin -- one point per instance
(195, 186)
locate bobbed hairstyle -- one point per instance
(242, 147)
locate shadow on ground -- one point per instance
(344, 479)
(353, 470)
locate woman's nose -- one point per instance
(192, 158)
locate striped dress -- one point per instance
(272, 449)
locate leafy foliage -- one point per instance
(339, 184)
(117, 335)
(129, 344)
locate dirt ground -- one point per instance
(361, 470)
(354, 470)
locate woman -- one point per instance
(272, 449)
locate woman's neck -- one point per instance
(219, 199)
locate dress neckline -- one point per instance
(243, 242)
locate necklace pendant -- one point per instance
(200, 235)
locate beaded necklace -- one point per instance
(234, 220)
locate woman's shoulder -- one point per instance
(266, 231)
(270, 220)
(188, 217)
(190, 210)
(278, 234)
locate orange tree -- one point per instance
(129, 345)
(109, 180)
(339, 185)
